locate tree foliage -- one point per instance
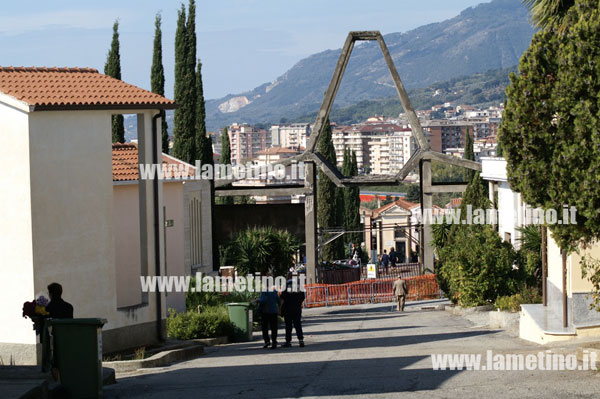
(351, 200)
(184, 144)
(328, 199)
(157, 79)
(264, 250)
(204, 151)
(112, 68)
(549, 13)
(550, 130)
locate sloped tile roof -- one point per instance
(402, 203)
(75, 88)
(125, 165)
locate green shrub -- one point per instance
(262, 249)
(212, 322)
(512, 303)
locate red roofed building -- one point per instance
(63, 224)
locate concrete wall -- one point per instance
(16, 253)
(175, 266)
(127, 244)
(509, 211)
(61, 225)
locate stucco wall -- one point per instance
(509, 209)
(16, 254)
(127, 244)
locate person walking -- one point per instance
(291, 310)
(400, 291)
(269, 305)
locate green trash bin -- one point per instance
(240, 315)
(77, 353)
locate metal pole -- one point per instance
(564, 287)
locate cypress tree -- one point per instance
(352, 202)
(157, 78)
(184, 146)
(469, 154)
(327, 196)
(112, 68)
(204, 150)
(225, 159)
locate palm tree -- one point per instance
(548, 13)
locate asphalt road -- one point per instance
(361, 352)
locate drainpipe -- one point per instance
(156, 161)
(544, 265)
(564, 287)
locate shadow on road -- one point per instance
(327, 378)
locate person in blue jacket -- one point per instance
(269, 308)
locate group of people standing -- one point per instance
(385, 260)
(288, 304)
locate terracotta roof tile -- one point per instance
(69, 88)
(125, 166)
(402, 203)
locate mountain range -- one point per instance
(488, 36)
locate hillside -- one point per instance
(480, 89)
(489, 36)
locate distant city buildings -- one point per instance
(382, 145)
(292, 135)
(246, 141)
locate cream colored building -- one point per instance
(292, 135)
(391, 226)
(539, 323)
(58, 198)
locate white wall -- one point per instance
(16, 254)
(72, 207)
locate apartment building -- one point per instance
(292, 135)
(361, 137)
(246, 141)
(445, 134)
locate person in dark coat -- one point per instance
(291, 310)
(269, 308)
(58, 308)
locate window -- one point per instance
(196, 228)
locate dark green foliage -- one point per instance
(548, 13)
(476, 266)
(328, 204)
(204, 150)
(414, 194)
(184, 145)
(550, 132)
(212, 322)
(264, 250)
(469, 153)
(157, 79)
(112, 68)
(225, 159)
(351, 200)
(513, 303)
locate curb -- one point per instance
(193, 349)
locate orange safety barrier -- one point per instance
(370, 291)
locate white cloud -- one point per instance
(83, 19)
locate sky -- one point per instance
(241, 43)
